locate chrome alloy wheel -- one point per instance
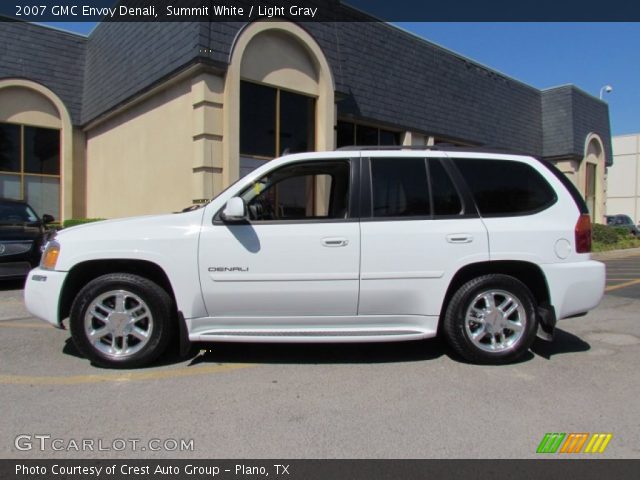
(495, 321)
(118, 323)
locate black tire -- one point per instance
(159, 321)
(459, 334)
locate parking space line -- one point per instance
(622, 285)
(121, 377)
(13, 324)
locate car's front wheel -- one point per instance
(121, 320)
(491, 319)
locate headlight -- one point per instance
(50, 255)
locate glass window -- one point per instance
(297, 122)
(590, 188)
(41, 151)
(399, 187)
(30, 166)
(503, 187)
(366, 135)
(10, 186)
(257, 120)
(307, 191)
(43, 194)
(346, 134)
(349, 133)
(274, 121)
(9, 147)
(446, 200)
(388, 137)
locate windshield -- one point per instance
(17, 213)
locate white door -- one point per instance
(416, 237)
(297, 255)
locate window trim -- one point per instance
(354, 197)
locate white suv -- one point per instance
(348, 246)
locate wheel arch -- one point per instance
(82, 273)
(528, 273)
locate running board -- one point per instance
(307, 336)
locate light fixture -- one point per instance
(605, 89)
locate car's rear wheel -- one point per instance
(121, 320)
(491, 319)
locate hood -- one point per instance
(130, 228)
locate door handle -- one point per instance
(335, 242)
(460, 238)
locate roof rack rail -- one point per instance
(388, 147)
(440, 147)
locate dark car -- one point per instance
(22, 234)
(623, 221)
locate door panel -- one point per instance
(407, 265)
(280, 269)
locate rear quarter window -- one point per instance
(505, 187)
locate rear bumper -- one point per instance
(42, 294)
(575, 287)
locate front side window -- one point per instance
(399, 187)
(504, 187)
(302, 191)
(30, 166)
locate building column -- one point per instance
(207, 165)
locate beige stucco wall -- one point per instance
(623, 178)
(140, 161)
(26, 106)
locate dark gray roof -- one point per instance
(125, 58)
(47, 56)
(382, 74)
(569, 115)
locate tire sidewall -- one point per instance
(149, 292)
(460, 302)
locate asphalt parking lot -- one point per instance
(402, 400)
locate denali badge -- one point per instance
(228, 269)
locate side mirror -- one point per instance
(46, 218)
(234, 211)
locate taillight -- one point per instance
(583, 234)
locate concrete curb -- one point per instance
(615, 254)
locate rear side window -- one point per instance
(399, 187)
(504, 187)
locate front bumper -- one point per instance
(42, 294)
(575, 287)
(14, 270)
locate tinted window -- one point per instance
(366, 135)
(399, 187)
(503, 187)
(446, 200)
(315, 190)
(9, 147)
(258, 120)
(297, 122)
(41, 151)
